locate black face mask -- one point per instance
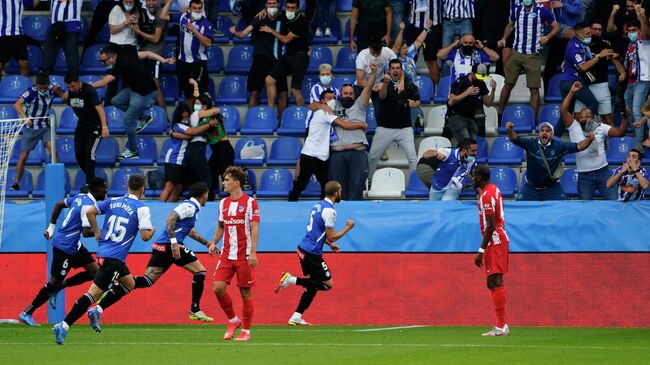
(467, 50)
(347, 102)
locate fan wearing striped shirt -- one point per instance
(12, 38)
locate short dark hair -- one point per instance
(70, 77)
(395, 60)
(332, 187)
(465, 143)
(95, 184)
(325, 92)
(204, 99)
(136, 182)
(295, 2)
(199, 189)
(178, 112)
(375, 44)
(580, 26)
(596, 21)
(42, 78)
(109, 50)
(196, 2)
(633, 23)
(482, 171)
(238, 174)
(638, 152)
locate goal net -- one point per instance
(9, 132)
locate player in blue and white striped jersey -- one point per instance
(68, 252)
(125, 216)
(12, 39)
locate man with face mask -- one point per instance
(592, 162)
(631, 178)
(449, 168)
(464, 53)
(316, 151)
(543, 162)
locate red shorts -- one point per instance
(496, 259)
(226, 269)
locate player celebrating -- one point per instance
(494, 245)
(320, 230)
(168, 250)
(239, 219)
(125, 216)
(68, 252)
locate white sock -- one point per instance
(246, 331)
(99, 309)
(291, 280)
(65, 326)
(233, 319)
(296, 317)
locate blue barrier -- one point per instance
(400, 226)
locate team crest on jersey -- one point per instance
(240, 209)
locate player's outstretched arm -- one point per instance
(333, 236)
(56, 212)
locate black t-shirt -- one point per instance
(298, 26)
(265, 44)
(136, 77)
(470, 104)
(599, 70)
(83, 104)
(395, 112)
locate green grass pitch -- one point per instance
(203, 344)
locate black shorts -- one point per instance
(161, 256)
(13, 46)
(261, 68)
(109, 271)
(62, 262)
(432, 43)
(295, 65)
(314, 266)
(176, 174)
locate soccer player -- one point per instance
(320, 230)
(239, 219)
(494, 246)
(68, 252)
(125, 216)
(167, 250)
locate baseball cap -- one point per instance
(481, 71)
(546, 124)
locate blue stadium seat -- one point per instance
(68, 122)
(240, 60)
(12, 86)
(416, 188)
(618, 149)
(8, 111)
(169, 88)
(26, 184)
(336, 33)
(35, 57)
(292, 122)
(312, 190)
(482, 150)
(553, 94)
(107, 151)
(65, 151)
(346, 61)
(307, 83)
(120, 178)
(260, 120)
(232, 121)
(60, 65)
(90, 63)
(39, 190)
(426, 88)
(104, 35)
(247, 161)
(340, 80)
(35, 157)
(147, 149)
(89, 79)
(569, 182)
(504, 152)
(159, 123)
(169, 51)
(232, 90)
(522, 116)
(83, 32)
(570, 159)
(80, 179)
(285, 151)
(275, 183)
(163, 151)
(505, 179)
(371, 120)
(549, 113)
(36, 26)
(442, 92)
(241, 24)
(215, 58)
(344, 5)
(318, 56)
(115, 120)
(223, 24)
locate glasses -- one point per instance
(347, 84)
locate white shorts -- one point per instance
(604, 97)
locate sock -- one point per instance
(311, 283)
(246, 331)
(292, 280)
(113, 296)
(305, 300)
(197, 291)
(499, 300)
(226, 304)
(143, 282)
(65, 325)
(79, 308)
(41, 297)
(77, 279)
(247, 315)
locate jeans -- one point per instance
(398, 15)
(350, 169)
(585, 96)
(132, 104)
(635, 96)
(51, 51)
(589, 181)
(552, 192)
(326, 14)
(462, 127)
(454, 29)
(444, 194)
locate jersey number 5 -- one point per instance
(116, 228)
(311, 220)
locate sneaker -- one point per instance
(282, 283)
(59, 333)
(94, 316)
(496, 331)
(328, 32)
(231, 329)
(52, 300)
(128, 154)
(200, 316)
(143, 122)
(300, 322)
(15, 187)
(27, 319)
(318, 33)
(243, 336)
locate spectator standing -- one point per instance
(464, 53)
(175, 164)
(223, 154)
(370, 19)
(12, 38)
(120, 22)
(457, 16)
(450, 169)
(64, 33)
(152, 31)
(426, 16)
(378, 55)
(196, 161)
(324, 83)
(489, 26)
(99, 19)
(325, 18)
(631, 178)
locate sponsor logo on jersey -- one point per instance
(157, 247)
(233, 221)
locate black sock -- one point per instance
(41, 297)
(311, 283)
(79, 308)
(306, 299)
(112, 296)
(77, 279)
(143, 282)
(197, 291)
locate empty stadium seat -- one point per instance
(415, 187)
(36, 26)
(104, 35)
(68, 121)
(240, 59)
(425, 86)
(436, 120)
(569, 182)
(250, 141)
(90, 63)
(318, 56)
(522, 116)
(435, 142)
(8, 111)
(275, 183)
(215, 57)
(344, 5)
(260, 120)
(159, 121)
(618, 149)
(35, 57)
(169, 51)
(223, 24)
(339, 80)
(292, 122)
(35, 158)
(491, 120)
(39, 190)
(333, 39)
(26, 184)
(115, 120)
(65, 150)
(482, 150)
(504, 152)
(371, 120)
(232, 90)
(553, 94)
(549, 113)
(521, 93)
(169, 88)
(120, 179)
(396, 156)
(442, 91)
(12, 86)
(147, 150)
(505, 179)
(285, 151)
(307, 83)
(107, 151)
(387, 182)
(80, 179)
(231, 118)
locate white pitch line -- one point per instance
(202, 328)
(389, 328)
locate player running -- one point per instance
(239, 218)
(320, 230)
(125, 216)
(494, 246)
(67, 251)
(167, 250)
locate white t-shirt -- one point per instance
(364, 58)
(594, 157)
(194, 122)
(317, 143)
(126, 36)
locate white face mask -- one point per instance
(128, 8)
(196, 16)
(291, 15)
(325, 80)
(272, 11)
(332, 104)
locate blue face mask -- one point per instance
(528, 2)
(325, 80)
(469, 159)
(42, 93)
(586, 41)
(128, 8)
(633, 36)
(197, 107)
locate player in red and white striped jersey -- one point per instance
(239, 218)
